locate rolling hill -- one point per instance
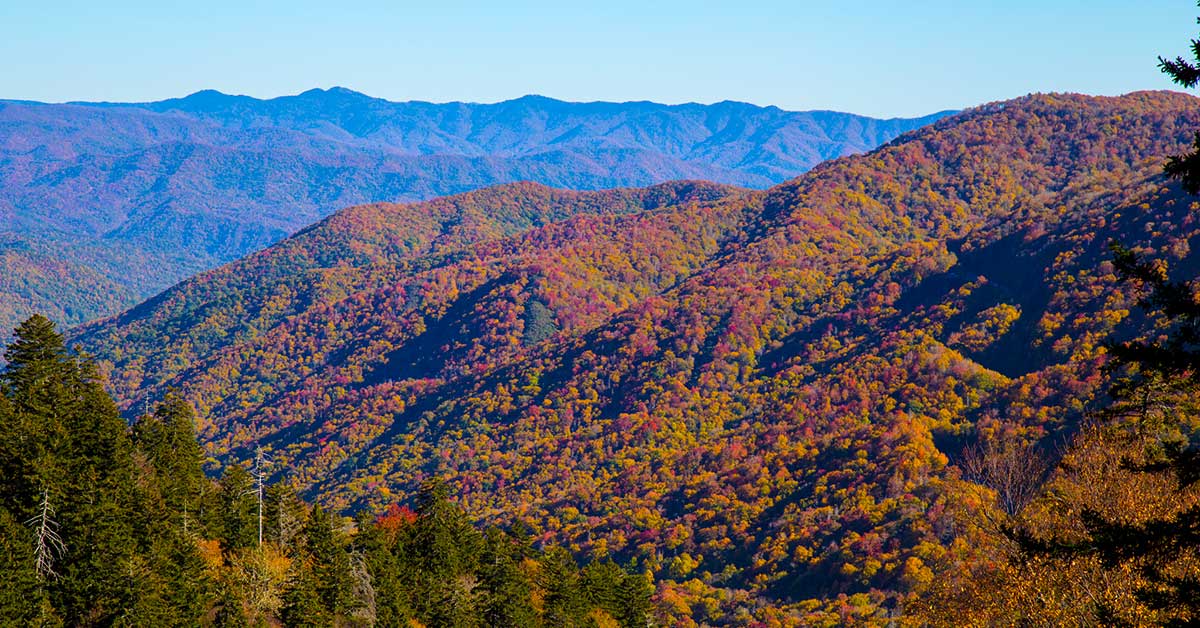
(762, 395)
(141, 195)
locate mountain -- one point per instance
(762, 395)
(146, 194)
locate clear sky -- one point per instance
(876, 57)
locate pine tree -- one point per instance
(231, 612)
(172, 483)
(381, 548)
(1185, 73)
(23, 599)
(329, 561)
(564, 601)
(634, 600)
(508, 590)
(75, 452)
(283, 517)
(167, 438)
(237, 519)
(443, 557)
(33, 430)
(303, 604)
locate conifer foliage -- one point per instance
(91, 515)
(106, 524)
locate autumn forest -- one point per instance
(949, 378)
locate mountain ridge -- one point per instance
(776, 383)
(178, 186)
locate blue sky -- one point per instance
(876, 57)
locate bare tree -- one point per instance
(289, 526)
(1013, 468)
(261, 462)
(49, 544)
(364, 591)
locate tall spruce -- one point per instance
(329, 561)
(167, 439)
(237, 513)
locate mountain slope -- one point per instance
(760, 394)
(183, 185)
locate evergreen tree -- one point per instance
(283, 517)
(237, 513)
(1185, 73)
(444, 556)
(330, 561)
(23, 599)
(75, 452)
(33, 429)
(167, 438)
(304, 605)
(564, 601)
(634, 600)
(600, 584)
(231, 610)
(508, 589)
(381, 544)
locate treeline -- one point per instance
(106, 524)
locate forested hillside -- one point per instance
(137, 196)
(106, 524)
(763, 397)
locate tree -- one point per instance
(283, 516)
(507, 603)
(329, 562)
(303, 605)
(565, 603)
(444, 554)
(72, 452)
(48, 545)
(167, 438)
(381, 542)
(237, 515)
(1015, 470)
(23, 598)
(1185, 73)
(634, 600)
(1154, 391)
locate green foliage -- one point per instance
(539, 323)
(237, 513)
(103, 545)
(433, 566)
(325, 556)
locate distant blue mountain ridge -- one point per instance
(103, 204)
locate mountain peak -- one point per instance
(205, 93)
(336, 91)
(536, 99)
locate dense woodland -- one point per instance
(949, 382)
(106, 524)
(765, 398)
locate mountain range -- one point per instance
(105, 204)
(763, 395)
